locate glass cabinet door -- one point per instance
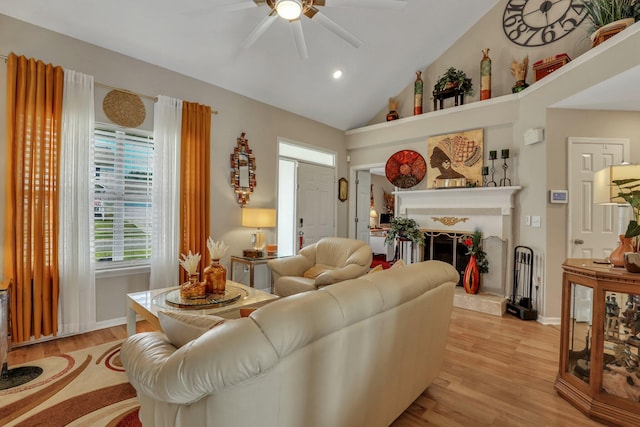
(580, 332)
(621, 364)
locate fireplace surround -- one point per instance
(448, 214)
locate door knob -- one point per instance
(578, 241)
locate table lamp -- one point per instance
(373, 221)
(606, 192)
(257, 218)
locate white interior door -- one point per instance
(593, 229)
(316, 203)
(363, 205)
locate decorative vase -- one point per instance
(417, 94)
(616, 257)
(193, 288)
(215, 277)
(485, 75)
(471, 277)
(519, 86)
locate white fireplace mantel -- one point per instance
(459, 198)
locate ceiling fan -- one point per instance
(292, 11)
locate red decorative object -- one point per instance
(471, 277)
(549, 65)
(405, 168)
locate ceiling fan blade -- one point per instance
(332, 26)
(260, 29)
(376, 4)
(298, 37)
(229, 7)
(244, 4)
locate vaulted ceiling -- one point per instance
(204, 39)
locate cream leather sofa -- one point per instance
(357, 353)
(330, 260)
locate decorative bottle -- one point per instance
(485, 75)
(215, 277)
(417, 94)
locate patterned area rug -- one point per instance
(84, 388)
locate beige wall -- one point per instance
(263, 125)
(562, 124)
(466, 54)
(505, 118)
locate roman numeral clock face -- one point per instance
(540, 22)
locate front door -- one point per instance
(315, 203)
(593, 229)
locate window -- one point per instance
(123, 172)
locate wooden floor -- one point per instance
(497, 372)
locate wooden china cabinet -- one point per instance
(600, 341)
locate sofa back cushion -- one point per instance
(340, 251)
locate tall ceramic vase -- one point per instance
(616, 257)
(485, 75)
(471, 277)
(417, 94)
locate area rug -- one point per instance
(84, 388)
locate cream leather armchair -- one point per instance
(328, 261)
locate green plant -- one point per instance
(628, 189)
(474, 247)
(603, 12)
(454, 78)
(404, 227)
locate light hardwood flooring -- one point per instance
(497, 372)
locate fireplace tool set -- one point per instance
(521, 303)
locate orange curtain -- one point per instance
(194, 182)
(34, 120)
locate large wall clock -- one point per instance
(540, 22)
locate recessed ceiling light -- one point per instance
(337, 74)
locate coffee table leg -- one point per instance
(131, 321)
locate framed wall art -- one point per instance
(455, 159)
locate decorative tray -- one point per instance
(172, 298)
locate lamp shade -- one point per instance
(258, 218)
(605, 192)
(373, 213)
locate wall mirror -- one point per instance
(243, 167)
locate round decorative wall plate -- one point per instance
(124, 109)
(405, 168)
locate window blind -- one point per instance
(123, 171)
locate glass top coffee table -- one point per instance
(148, 303)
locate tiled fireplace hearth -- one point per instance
(453, 213)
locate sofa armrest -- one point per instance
(225, 356)
(291, 266)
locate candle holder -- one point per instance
(504, 182)
(493, 182)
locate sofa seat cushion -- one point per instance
(290, 285)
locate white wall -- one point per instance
(263, 125)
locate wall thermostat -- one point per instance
(558, 196)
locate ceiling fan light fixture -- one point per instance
(289, 9)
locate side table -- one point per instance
(251, 262)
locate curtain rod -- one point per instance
(153, 98)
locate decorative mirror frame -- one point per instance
(242, 156)
(343, 189)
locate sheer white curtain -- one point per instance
(165, 243)
(76, 251)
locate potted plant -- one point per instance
(453, 78)
(404, 228)
(609, 17)
(629, 190)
